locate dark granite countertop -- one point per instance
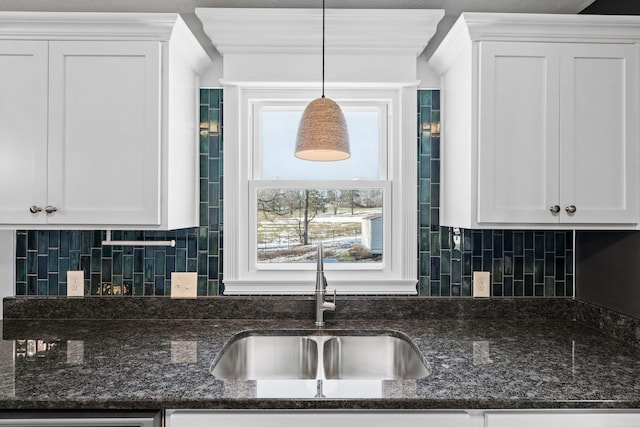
(475, 363)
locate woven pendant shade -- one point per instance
(322, 134)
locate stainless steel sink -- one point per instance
(372, 357)
(254, 357)
(328, 355)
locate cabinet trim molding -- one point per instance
(533, 27)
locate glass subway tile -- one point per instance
(549, 287)
(508, 287)
(435, 170)
(508, 241)
(497, 245)
(202, 286)
(515, 258)
(434, 288)
(528, 285)
(159, 286)
(487, 260)
(445, 285)
(496, 290)
(445, 262)
(204, 96)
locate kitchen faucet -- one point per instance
(321, 287)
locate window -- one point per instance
(296, 204)
(284, 206)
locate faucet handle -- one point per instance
(334, 296)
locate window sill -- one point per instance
(307, 287)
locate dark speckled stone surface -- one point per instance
(283, 307)
(474, 363)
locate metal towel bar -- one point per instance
(109, 242)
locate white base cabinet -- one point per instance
(98, 120)
(539, 122)
(180, 418)
(562, 419)
(460, 418)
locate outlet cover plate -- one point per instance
(184, 285)
(481, 284)
(75, 283)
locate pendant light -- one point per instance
(322, 133)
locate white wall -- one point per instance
(7, 262)
(211, 77)
(428, 78)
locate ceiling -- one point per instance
(452, 8)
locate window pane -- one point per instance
(278, 130)
(291, 222)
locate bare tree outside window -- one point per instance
(291, 222)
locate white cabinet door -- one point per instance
(23, 131)
(104, 132)
(185, 418)
(562, 419)
(598, 157)
(518, 132)
(557, 129)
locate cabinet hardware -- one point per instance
(554, 209)
(35, 209)
(50, 209)
(570, 209)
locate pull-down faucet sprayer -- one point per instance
(321, 288)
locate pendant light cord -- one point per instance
(323, 48)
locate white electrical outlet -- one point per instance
(184, 285)
(75, 283)
(481, 284)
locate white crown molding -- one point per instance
(316, 85)
(471, 27)
(263, 30)
(88, 26)
(111, 26)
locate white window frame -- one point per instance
(397, 274)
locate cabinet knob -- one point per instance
(554, 209)
(35, 209)
(570, 209)
(50, 209)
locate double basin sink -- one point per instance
(304, 355)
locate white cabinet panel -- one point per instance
(518, 144)
(598, 155)
(104, 145)
(562, 419)
(316, 419)
(23, 130)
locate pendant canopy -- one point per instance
(322, 133)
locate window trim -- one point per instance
(400, 278)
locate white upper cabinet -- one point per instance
(23, 130)
(98, 121)
(539, 122)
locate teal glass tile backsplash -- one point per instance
(522, 263)
(43, 257)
